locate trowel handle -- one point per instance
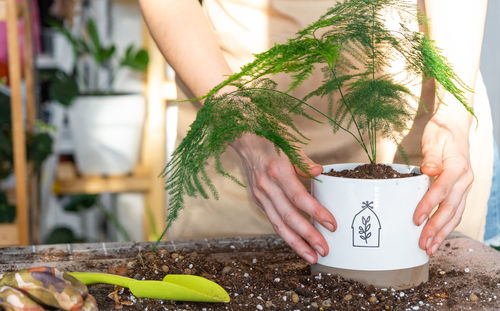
(95, 277)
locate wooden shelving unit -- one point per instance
(68, 182)
(12, 12)
(145, 179)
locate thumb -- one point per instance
(432, 164)
(313, 168)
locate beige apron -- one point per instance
(245, 27)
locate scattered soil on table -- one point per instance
(370, 171)
(278, 279)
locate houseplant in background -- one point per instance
(353, 47)
(79, 203)
(106, 125)
(38, 146)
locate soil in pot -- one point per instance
(278, 279)
(370, 171)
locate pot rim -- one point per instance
(412, 168)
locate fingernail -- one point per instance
(434, 248)
(430, 164)
(429, 240)
(309, 258)
(320, 250)
(422, 219)
(329, 226)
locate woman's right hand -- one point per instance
(277, 190)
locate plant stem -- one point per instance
(360, 140)
(313, 108)
(373, 128)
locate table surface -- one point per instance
(458, 252)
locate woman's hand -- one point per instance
(277, 190)
(445, 147)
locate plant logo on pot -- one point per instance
(366, 227)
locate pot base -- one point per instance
(397, 279)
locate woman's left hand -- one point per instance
(445, 148)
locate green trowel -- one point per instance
(173, 287)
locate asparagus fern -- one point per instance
(352, 46)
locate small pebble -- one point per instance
(347, 297)
(165, 268)
(327, 303)
(372, 299)
(467, 270)
(174, 255)
(401, 294)
(314, 305)
(260, 307)
(190, 266)
(295, 297)
(245, 275)
(187, 271)
(269, 304)
(387, 307)
(226, 270)
(415, 308)
(473, 297)
(276, 280)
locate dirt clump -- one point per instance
(370, 171)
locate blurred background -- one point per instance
(87, 111)
(95, 95)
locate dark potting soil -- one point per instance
(370, 171)
(279, 280)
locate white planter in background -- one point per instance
(106, 132)
(376, 240)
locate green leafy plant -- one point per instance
(38, 147)
(81, 202)
(7, 210)
(352, 47)
(78, 203)
(66, 86)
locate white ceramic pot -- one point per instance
(106, 132)
(376, 240)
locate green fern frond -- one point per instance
(259, 109)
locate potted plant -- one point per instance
(106, 125)
(376, 240)
(38, 147)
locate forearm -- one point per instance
(457, 28)
(184, 37)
